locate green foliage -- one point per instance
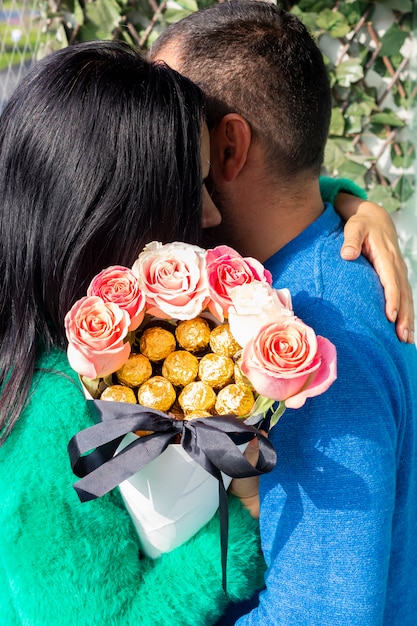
(364, 113)
(369, 135)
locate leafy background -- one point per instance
(370, 51)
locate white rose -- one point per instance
(254, 305)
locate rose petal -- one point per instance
(119, 285)
(226, 268)
(97, 364)
(323, 378)
(174, 279)
(287, 361)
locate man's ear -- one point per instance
(231, 140)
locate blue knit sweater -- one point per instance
(339, 512)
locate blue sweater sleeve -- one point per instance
(66, 562)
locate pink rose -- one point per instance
(174, 280)
(119, 285)
(96, 333)
(287, 361)
(226, 268)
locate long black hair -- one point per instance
(99, 154)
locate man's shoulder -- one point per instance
(313, 267)
(338, 276)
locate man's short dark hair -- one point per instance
(256, 59)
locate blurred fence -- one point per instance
(21, 29)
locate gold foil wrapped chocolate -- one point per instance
(239, 377)
(156, 343)
(216, 370)
(180, 367)
(235, 399)
(193, 335)
(192, 415)
(135, 371)
(197, 396)
(223, 342)
(119, 393)
(157, 393)
(190, 372)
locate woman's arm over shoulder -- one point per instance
(370, 231)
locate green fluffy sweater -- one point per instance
(71, 563)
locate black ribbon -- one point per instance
(212, 442)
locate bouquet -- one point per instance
(199, 348)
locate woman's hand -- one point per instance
(370, 230)
(247, 488)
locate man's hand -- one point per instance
(247, 488)
(370, 230)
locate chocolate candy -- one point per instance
(156, 343)
(180, 368)
(223, 342)
(235, 399)
(135, 371)
(157, 393)
(193, 335)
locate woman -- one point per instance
(99, 154)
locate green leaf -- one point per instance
(68, 5)
(259, 410)
(383, 195)
(332, 78)
(315, 5)
(178, 9)
(335, 154)
(202, 4)
(403, 6)
(182, 5)
(78, 14)
(392, 41)
(355, 114)
(367, 96)
(334, 23)
(279, 412)
(387, 117)
(352, 10)
(102, 17)
(406, 159)
(337, 122)
(405, 188)
(352, 170)
(353, 124)
(348, 72)
(307, 18)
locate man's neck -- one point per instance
(265, 220)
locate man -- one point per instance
(200, 47)
(339, 512)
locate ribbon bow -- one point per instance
(212, 442)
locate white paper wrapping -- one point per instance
(170, 499)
